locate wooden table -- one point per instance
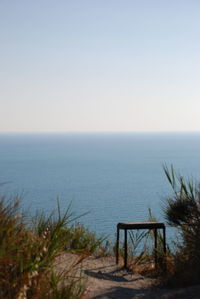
(139, 225)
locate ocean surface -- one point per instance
(113, 176)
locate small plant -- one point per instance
(138, 241)
(81, 239)
(143, 243)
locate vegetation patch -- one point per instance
(28, 251)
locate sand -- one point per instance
(106, 280)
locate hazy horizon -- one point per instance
(100, 132)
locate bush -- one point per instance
(28, 252)
(183, 211)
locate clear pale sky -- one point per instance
(105, 65)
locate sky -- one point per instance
(99, 65)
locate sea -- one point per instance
(108, 177)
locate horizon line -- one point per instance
(96, 132)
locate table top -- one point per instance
(140, 225)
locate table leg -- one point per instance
(125, 248)
(117, 247)
(155, 245)
(164, 240)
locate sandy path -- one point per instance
(106, 280)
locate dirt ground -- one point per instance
(106, 280)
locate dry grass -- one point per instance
(28, 252)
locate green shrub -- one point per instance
(183, 211)
(81, 239)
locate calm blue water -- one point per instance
(116, 177)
